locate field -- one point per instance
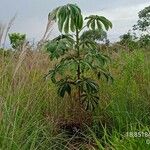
(76, 86)
(32, 115)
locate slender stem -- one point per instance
(78, 70)
(83, 28)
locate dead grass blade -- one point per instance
(7, 30)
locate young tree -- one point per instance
(78, 52)
(144, 41)
(143, 23)
(129, 40)
(17, 40)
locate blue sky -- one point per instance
(32, 14)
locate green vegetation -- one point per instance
(17, 40)
(131, 40)
(33, 114)
(79, 53)
(143, 24)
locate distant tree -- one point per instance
(98, 35)
(125, 38)
(129, 40)
(143, 24)
(144, 40)
(17, 40)
(107, 42)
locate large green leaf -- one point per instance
(64, 86)
(59, 46)
(92, 35)
(87, 43)
(98, 22)
(88, 85)
(89, 89)
(68, 18)
(68, 62)
(90, 101)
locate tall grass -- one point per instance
(30, 110)
(25, 98)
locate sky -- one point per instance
(32, 14)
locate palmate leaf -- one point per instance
(67, 37)
(98, 22)
(88, 85)
(97, 58)
(64, 86)
(89, 38)
(89, 89)
(59, 46)
(95, 62)
(98, 35)
(68, 18)
(107, 76)
(86, 65)
(53, 72)
(99, 70)
(87, 44)
(90, 101)
(100, 60)
(68, 62)
(56, 49)
(63, 89)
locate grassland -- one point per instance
(31, 111)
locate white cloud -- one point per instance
(121, 13)
(123, 18)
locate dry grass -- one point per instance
(31, 113)
(4, 30)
